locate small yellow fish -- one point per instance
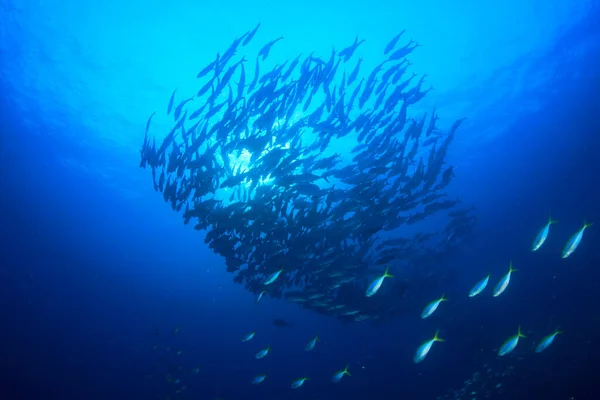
(337, 377)
(431, 307)
(263, 353)
(423, 350)
(573, 243)
(311, 344)
(542, 235)
(503, 283)
(376, 284)
(511, 343)
(299, 382)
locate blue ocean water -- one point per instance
(106, 294)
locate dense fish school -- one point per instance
(251, 160)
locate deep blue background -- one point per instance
(96, 270)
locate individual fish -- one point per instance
(281, 323)
(347, 53)
(171, 100)
(264, 52)
(376, 283)
(248, 337)
(573, 243)
(299, 382)
(260, 296)
(258, 379)
(250, 35)
(206, 69)
(511, 343)
(273, 277)
(263, 353)
(337, 377)
(479, 286)
(423, 350)
(354, 72)
(431, 307)
(542, 235)
(311, 344)
(503, 283)
(392, 43)
(546, 341)
(179, 108)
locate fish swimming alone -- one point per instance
(546, 341)
(431, 307)
(511, 343)
(423, 350)
(573, 243)
(248, 337)
(299, 382)
(479, 286)
(263, 353)
(311, 344)
(260, 296)
(258, 379)
(337, 377)
(503, 283)
(542, 235)
(376, 284)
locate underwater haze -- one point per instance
(313, 200)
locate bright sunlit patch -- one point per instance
(239, 161)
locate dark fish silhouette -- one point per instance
(281, 323)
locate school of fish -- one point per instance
(252, 161)
(302, 173)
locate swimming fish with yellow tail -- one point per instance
(546, 341)
(299, 382)
(311, 344)
(479, 286)
(263, 353)
(248, 336)
(337, 377)
(573, 243)
(423, 350)
(258, 379)
(431, 307)
(376, 283)
(542, 235)
(511, 343)
(503, 283)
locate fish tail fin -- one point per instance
(436, 338)
(558, 332)
(520, 334)
(587, 224)
(443, 298)
(551, 221)
(346, 370)
(386, 273)
(510, 267)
